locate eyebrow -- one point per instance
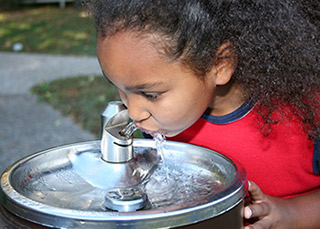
(144, 86)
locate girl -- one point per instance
(239, 77)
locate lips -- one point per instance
(151, 132)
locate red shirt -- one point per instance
(285, 163)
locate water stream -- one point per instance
(172, 185)
(159, 142)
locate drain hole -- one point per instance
(126, 199)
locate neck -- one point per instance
(227, 98)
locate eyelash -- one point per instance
(150, 96)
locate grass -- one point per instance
(48, 29)
(51, 30)
(81, 98)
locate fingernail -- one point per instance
(247, 213)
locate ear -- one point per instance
(225, 63)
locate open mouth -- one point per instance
(150, 132)
(154, 132)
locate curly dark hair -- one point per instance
(276, 44)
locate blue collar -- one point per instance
(239, 113)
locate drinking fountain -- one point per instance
(122, 182)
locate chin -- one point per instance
(172, 134)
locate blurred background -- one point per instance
(51, 90)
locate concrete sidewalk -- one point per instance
(27, 126)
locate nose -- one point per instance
(137, 110)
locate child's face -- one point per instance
(161, 96)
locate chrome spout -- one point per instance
(112, 109)
(128, 130)
(116, 147)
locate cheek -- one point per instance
(176, 120)
(192, 103)
(181, 112)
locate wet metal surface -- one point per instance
(66, 186)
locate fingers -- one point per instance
(257, 210)
(255, 192)
(261, 224)
(247, 213)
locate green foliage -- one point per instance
(81, 98)
(48, 30)
(51, 30)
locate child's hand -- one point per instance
(271, 212)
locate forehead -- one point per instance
(126, 57)
(126, 49)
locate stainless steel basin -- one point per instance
(66, 187)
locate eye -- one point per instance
(150, 96)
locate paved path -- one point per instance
(27, 126)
